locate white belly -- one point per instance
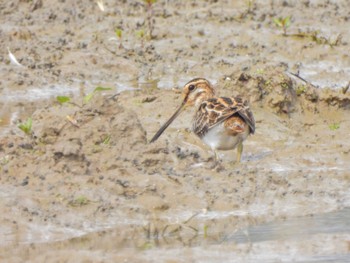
(218, 139)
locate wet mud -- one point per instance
(85, 185)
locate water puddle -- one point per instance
(216, 237)
(296, 228)
(38, 94)
(326, 74)
(20, 104)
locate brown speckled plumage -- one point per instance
(234, 112)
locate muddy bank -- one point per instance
(86, 185)
(99, 174)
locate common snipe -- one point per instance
(220, 122)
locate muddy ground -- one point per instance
(90, 188)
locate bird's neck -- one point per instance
(203, 97)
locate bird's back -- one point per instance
(234, 112)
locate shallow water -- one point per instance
(161, 202)
(317, 238)
(296, 228)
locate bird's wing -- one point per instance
(217, 110)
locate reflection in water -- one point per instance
(196, 231)
(325, 237)
(301, 239)
(299, 227)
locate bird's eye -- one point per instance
(191, 87)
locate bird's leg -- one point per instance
(216, 161)
(239, 152)
(217, 164)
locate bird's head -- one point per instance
(194, 93)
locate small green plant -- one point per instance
(63, 99)
(205, 231)
(79, 201)
(282, 22)
(26, 126)
(141, 35)
(147, 246)
(334, 126)
(119, 35)
(260, 71)
(300, 90)
(86, 99)
(107, 140)
(284, 85)
(150, 19)
(89, 96)
(250, 5)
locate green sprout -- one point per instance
(79, 201)
(107, 140)
(62, 99)
(86, 99)
(141, 34)
(284, 85)
(250, 5)
(147, 246)
(300, 90)
(334, 126)
(119, 34)
(260, 71)
(26, 127)
(283, 23)
(205, 231)
(89, 96)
